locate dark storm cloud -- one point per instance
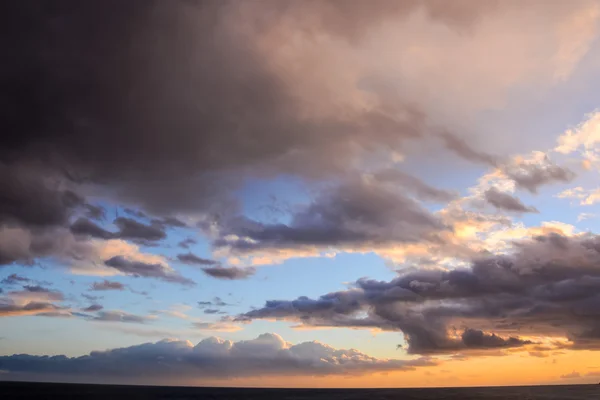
(138, 110)
(358, 212)
(107, 285)
(547, 286)
(31, 197)
(505, 201)
(178, 361)
(231, 273)
(13, 279)
(141, 269)
(189, 258)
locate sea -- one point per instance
(62, 391)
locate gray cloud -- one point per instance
(13, 279)
(185, 244)
(95, 212)
(216, 302)
(141, 269)
(505, 201)
(230, 273)
(128, 229)
(413, 184)
(463, 149)
(90, 297)
(132, 229)
(107, 285)
(359, 212)
(178, 361)
(93, 308)
(120, 316)
(190, 258)
(84, 226)
(531, 176)
(547, 286)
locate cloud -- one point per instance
(185, 244)
(216, 301)
(148, 270)
(93, 308)
(132, 229)
(31, 308)
(107, 285)
(189, 258)
(128, 229)
(108, 133)
(13, 279)
(361, 212)
(120, 316)
(586, 197)
(545, 286)
(230, 273)
(180, 361)
(571, 375)
(84, 226)
(95, 212)
(505, 201)
(531, 173)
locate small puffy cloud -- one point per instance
(230, 273)
(137, 268)
(186, 243)
(107, 285)
(172, 360)
(190, 258)
(93, 308)
(585, 197)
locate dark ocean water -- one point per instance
(27, 390)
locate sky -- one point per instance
(286, 193)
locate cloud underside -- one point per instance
(547, 287)
(169, 360)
